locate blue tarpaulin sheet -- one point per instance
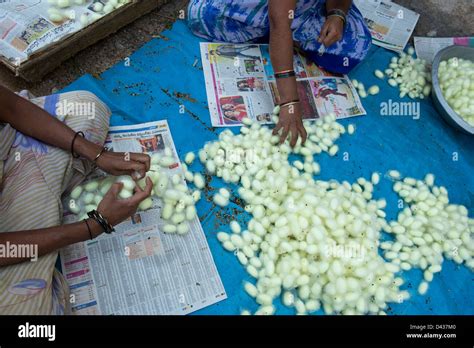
(167, 73)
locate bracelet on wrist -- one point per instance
(294, 102)
(101, 220)
(73, 142)
(89, 229)
(99, 154)
(337, 13)
(285, 74)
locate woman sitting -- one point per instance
(43, 153)
(332, 33)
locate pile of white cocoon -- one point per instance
(411, 75)
(456, 79)
(316, 243)
(60, 10)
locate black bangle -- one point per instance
(73, 141)
(108, 228)
(88, 228)
(285, 75)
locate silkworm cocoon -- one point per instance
(220, 200)
(392, 82)
(245, 312)
(394, 174)
(224, 193)
(235, 227)
(251, 289)
(189, 176)
(127, 181)
(63, 3)
(88, 198)
(91, 186)
(351, 129)
(190, 212)
(98, 7)
(423, 288)
(199, 181)
(276, 110)
(355, 83)
(169, 228)
(265, 310)
(76, 192)
(379, 74)
(124, 193)
(108, 8)
(189, 158)
(167, 211)
(375, 179)
(222, 237)
(228, 245)
(196, 195)
(237, 240)
(145, 204)
(90, 207)
(182, 228)
(333, 150)
(166, 161)
(247, 121)
(242, 257)
(251, 270)
(374, 90)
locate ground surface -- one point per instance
(438, 18)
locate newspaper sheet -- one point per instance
(427, 47)
(138, 269)
(390, 24)
(25, 26)
(240, 83)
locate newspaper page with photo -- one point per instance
(240, 83)
(390, 24)
(27, 26)
(427, 47)
(139, 269)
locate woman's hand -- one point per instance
(124, 163)
(290, 121)
(116, 210)
(332, 31)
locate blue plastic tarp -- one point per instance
(167, 73)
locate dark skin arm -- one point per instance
(281, 54)
(31, 120)
(35, 122)
(333, 28)
(49, 239)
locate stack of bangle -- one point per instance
(337, 13)
(293, 102)
(285, 74)
(94, 214)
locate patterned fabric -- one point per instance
(247, 21)
(33, 176)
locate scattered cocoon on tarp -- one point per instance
(292, 243)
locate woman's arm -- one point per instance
(35, 122)
(281, 14)
(115, 210)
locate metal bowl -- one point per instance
(449, 115)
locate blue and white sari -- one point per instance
(240, 21)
